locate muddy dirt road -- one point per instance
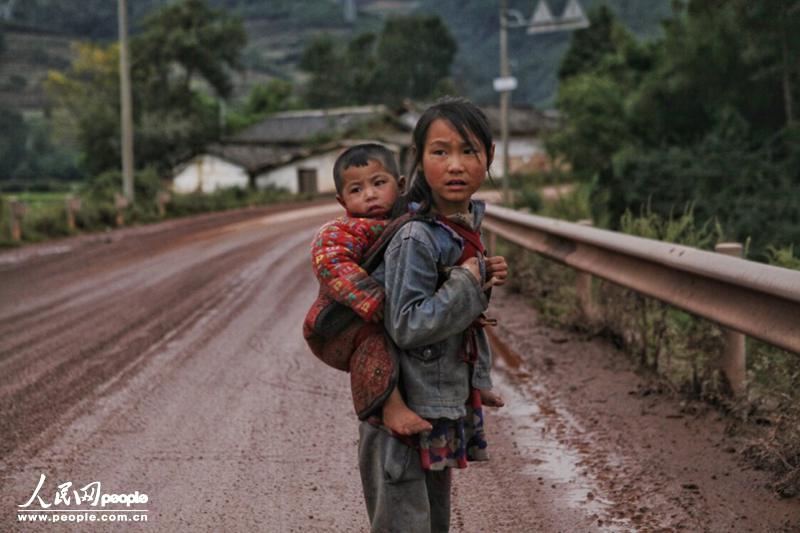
(167, 360)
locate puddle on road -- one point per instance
(541, 432)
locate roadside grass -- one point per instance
(46, 214)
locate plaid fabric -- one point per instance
(336, 252)
(452, 443)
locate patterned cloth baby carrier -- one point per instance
(339, 338)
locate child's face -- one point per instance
(453, 168)
(369, 191)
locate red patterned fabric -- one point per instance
(336, 252)
(472, 239)
(372, 370)
(361, 347)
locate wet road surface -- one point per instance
(168, 360)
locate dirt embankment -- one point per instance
(657, 462)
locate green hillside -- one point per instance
(279, 29)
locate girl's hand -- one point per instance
(473, 267)
(496, 270)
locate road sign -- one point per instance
(506, 83)
(543, 20)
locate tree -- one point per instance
(185, 51)
(269, 98)
(328, 85)
(191, 38)
(89, 91)
(702, 117)
(601, 72)
(588, 46)
(13, 136)
(410, 58)
(773, 46)
(596, 127)
(263, 100)
(414, 55)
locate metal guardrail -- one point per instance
(759, 300)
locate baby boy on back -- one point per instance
(367, 184)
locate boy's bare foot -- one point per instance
(400, 419)
(491, 399)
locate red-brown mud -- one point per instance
(168, 360)
(622, 451)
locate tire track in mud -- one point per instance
(60, 365)
(73, 366)
(93, 255)
(102, 296)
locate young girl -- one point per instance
(435, 279)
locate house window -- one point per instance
(307, 180)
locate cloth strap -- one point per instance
(472, 239)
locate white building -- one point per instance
(207, 173)
(309, 174)
(295, 150)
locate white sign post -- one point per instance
(506, 83)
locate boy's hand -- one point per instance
(496, 270)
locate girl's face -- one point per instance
(453, 168)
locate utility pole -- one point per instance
(126, 109)
(542, 21)
(505, 97)
(350, 11)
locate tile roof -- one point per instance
(307, 125)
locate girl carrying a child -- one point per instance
(436, 275)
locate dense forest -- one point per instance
(704, 119)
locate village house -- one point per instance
(526, 128)
(294, 150)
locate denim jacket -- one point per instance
(427, 323)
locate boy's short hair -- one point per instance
(359, 156)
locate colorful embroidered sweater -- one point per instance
(337, 250)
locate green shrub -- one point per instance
(574, 205)
(96, 215)
(45, 221)
(664, 339)
(528, 198)
(47, 218)
(774, 372)
(549, 286)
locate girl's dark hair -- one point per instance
(467, 119)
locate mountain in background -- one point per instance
(38, 31)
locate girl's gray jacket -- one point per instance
(427, 323)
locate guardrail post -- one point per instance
(120, 202)
(162, 199)
(73, 206)
(734, 359)
(583, 287)
(18, 210)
